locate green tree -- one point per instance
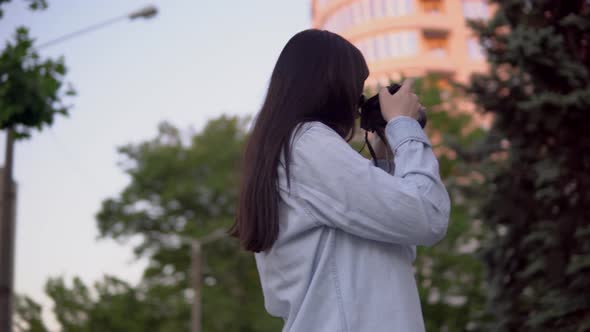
(185, 187)
(110, 305)
(28, 316)
(31, 88)
(538, 90)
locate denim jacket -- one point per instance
(349, 230)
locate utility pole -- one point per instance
(197, 275)
(7, 231)
(8, 190)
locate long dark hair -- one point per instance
(319, 76)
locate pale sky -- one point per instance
(194, 61)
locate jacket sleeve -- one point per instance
(342, 189)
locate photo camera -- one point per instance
(372, 120)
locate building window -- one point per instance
(357, 13)
(372, 12)
(475, 9)
(377, 47)
(432, 6)
(393, 45)
(366, 10)
(404, 7)
(386, 46)
(474, 49)
(370, 46)
(364, 48)
(435, 45)
(381, 8)
(384, 7)
(407, 43)
(349, 17)
(438, 52)
(397, 7)
(382, 44)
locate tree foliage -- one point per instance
(182, 188)
(538, 90)
(28, 314)
(33, 5)
(109, 305)
(31, 88)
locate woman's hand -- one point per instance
(403, 103)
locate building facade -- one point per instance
(408, 37)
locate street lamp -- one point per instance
(7, 216)
(146, 12)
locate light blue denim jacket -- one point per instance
(348, 230)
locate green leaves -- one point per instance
(28, 316)
(37, 4)
(184, 185)
(32, 89)
(110, 305)
(33, 5)
(537, 90)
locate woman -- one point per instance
(334, 236)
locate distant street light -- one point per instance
(8, 194)
(146, 12)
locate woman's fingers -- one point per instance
(407, 85)
(402, 103)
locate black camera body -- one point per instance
(371, 118)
